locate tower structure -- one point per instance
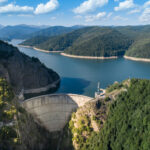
(97, 94)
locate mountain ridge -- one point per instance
(88, 41)
(30, 72)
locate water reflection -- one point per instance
(73, 85)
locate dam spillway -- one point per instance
(54, 110)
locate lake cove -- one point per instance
(80, 76)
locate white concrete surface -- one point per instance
(53, 111)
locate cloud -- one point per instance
(98, 16)
(2, 1)
(125, 5)
(109, 15)
(25, 15)
(48, 7)
(89, 5)
(145, 17)
(53, 18)
(11, 8)
(134, 11)
(120, 18)
(146, 4)
(78, 16)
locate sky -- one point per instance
(75, 12)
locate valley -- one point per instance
(60, 108)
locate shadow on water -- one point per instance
(73, 85)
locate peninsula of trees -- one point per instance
(89, 41)
(97, 41)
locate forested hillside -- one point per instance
(89, 41)
(140, 49)
(17, 32)
(141, 37)
(100, 42)
(94, 41)
(127, 125)
(135, 32)
(22, 71)
(18, 130)
(41, 36)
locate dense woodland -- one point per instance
(120, 123)
(140, 48)
(18, 131)
(42, 35)
(141, 37)
(89, 41)
(128, 122)
(96, 41)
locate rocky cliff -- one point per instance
(24, 72)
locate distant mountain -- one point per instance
(42, 35)
(99, 41)
(88, 41)
(55, 30)
(1, 26)
(141, 37)
(135, 32)
(17, 32)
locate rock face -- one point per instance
(24, 72)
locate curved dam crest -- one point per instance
(54, 110)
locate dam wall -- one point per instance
(54, 110)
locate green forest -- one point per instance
(140, 49)
(89, 41)
(95, 41)
(128, 122)
(122, 123)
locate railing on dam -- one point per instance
(54, 110)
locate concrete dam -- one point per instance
(54, 110)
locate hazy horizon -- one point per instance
(71, 25)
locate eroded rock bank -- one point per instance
(26, 73)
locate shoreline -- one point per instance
(38, 49)
(137, 59)
(88, 57)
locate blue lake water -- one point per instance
(80, 76)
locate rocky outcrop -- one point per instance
(24, 72)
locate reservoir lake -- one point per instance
(80, 76)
